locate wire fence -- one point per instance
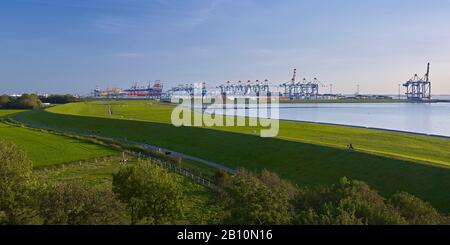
(187, 173)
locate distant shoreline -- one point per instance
(345, 101)
(393, 101)
(371, 128)
(296, 101)
(355, 101)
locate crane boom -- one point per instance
(294, 76)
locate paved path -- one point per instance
(185, 156)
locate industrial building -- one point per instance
(150, 91)
(108, 93)
(153, 90)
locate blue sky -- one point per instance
(76, 45)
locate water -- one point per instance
(441, 97)
(433, 119)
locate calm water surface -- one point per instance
(431, 118)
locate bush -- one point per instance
(59, 99)
(251, 200)
(26, 101)
(4, 101)
(273, 181)
(347, 203)
(221, 179)
(74, 203)
(151, 193)
(16, 199)
(416, 211)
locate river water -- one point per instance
(423, 118)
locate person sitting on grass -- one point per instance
(350, 147)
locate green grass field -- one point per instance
(308, 154)
(47, 149)
(4, 113)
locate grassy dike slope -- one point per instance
(426, 149)
(46, 149)
(4, 113)
(303, 163)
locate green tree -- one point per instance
(26, 101)
(274, 182)
(59, 99)
(75, 203)
(151, 193)
(252, 201)
(415, 210)
(221, 179)
(348, 203)
(16, 182)
(4, 101)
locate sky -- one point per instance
(74, 46)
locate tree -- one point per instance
(221, 179)
(252, 201)
(75, 203)
(26, 101)
(415, 210)
(16, 195)
(350, 202)
(151, 193)
(273, 181)
(4, 101)
(59, 99)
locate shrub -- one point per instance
(16, 181)
(416, 211)
(4, 101)
(221, 179)
(252, 201)
(26, 101)
(59, 99)
(74, 203)
(347, 203)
